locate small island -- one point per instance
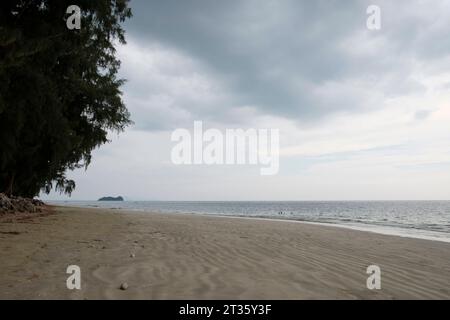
(119, 198)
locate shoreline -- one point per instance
(191, 256)
(377, 229)
(363, 227)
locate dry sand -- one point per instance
(199, 257)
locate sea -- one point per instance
(415, 219)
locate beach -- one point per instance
(191, 256)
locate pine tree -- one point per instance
(59, 91)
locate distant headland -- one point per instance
(119, 198)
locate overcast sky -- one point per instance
(363, 114)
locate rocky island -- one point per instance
(119, 198)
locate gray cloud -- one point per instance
(363, 103)
(280, 56)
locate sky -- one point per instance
(362, 114)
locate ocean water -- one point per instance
(418, 219)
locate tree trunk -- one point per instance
(10, 189)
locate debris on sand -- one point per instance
(18, 204)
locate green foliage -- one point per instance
(59, 91)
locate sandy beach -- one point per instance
(181, 256)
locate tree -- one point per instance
(59, 91)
